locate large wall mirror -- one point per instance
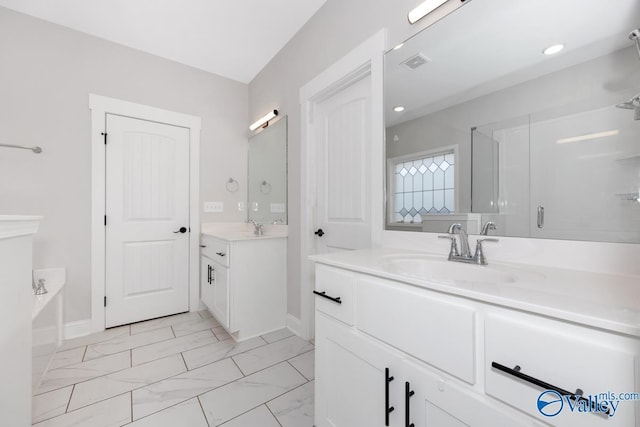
(268, 174)
(483, 123)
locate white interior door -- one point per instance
(343, 125)
(147, 220)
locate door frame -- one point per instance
(366, 59)
(100, 106)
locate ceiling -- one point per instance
(232, 38)
(489, 45)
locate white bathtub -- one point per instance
(47, 322)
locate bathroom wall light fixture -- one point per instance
(264, 121)
(424, 9)
(589, 136)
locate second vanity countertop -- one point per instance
(233, 231)
(605, 301)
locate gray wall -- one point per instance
(46, 74)
(337, 28)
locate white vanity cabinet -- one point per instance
(214, 278)
(243, 283)
(16, 302)
(439, 349)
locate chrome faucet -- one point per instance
(257, 230)
(465, 253)
(39, 289)
(489, 225)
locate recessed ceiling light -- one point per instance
(398, 46)
(398, 108)
(553, 49)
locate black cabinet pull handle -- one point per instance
(407, 411)
(220, 253)
(208, 274)
(203, 246)
(324, 295)
(542, 384)
(387, 409)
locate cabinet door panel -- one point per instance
(206, 288)
(350, 378)
(220, 279)
(436, 417)
(444, 402)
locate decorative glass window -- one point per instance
(423, 186)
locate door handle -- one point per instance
(181, 230)
(319, 232)
(387, 409)
(323, 294)
(407, 411)
(540, 216)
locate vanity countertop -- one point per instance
(605, 301)
(242, 231)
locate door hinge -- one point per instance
(105, 220)
(105, 301)
(105, 137)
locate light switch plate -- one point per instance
(213, 207)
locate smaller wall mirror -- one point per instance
(268, 174)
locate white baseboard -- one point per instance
(295, 325)
(76, 329)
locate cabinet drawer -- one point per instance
(562, 355)
(435, 330)
(217, 250)
(336, 284)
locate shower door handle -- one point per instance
(540, 216)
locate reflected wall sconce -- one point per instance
(264, 121)
(424, 9)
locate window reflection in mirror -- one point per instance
(267, 193)
(529, 130)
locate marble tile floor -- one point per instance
(181, 370)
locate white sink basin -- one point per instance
(443, 271)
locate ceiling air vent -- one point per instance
(415, 61)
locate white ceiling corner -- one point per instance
(233, 38)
